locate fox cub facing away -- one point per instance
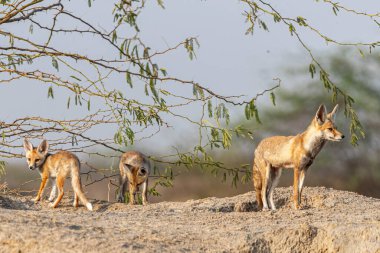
(134, 170)
(56, 166)
(297, 152)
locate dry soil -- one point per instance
(331, 221)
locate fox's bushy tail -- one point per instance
(77, 186)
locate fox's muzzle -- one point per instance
(338, 138)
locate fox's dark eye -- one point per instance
(37, 160)
(28, 159)
(330, 129)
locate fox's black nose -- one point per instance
(342, 136)
(31, 167)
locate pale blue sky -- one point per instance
(228, 61)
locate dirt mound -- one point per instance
(331, 221)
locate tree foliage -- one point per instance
(88, 79)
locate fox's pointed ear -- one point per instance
(320, 116)
(43, 147)
(127, 166)
(27, 145)
(332, 114)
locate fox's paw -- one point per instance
(36, 199)
(145, 203)
(49, 200)
(120, 199)
(89, 206)
(265, 209)
(52, 205)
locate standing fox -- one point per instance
(134, 168)
(56, 166)
(297, 152)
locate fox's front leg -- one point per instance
(122, 183)
(40, 191)
(132, 194)
(301, 181)
(145, 192)
(296, 195)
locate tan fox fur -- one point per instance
(134, 170)
(297, 152)
(56, 166)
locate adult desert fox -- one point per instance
(56, 166)
(297, 152)
(134, 170)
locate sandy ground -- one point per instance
(331, 221)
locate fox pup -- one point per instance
(56, 166)
(134, 168)
(297, 152)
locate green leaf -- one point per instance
(146, 90)
(247, 112)
(153, 89)
(146, 52)
(161, 3)
(50, 92)
(76, 78)
(301, 21)
(263, 25)
(209, 108)
(335, 10)
(291, 29)
(361, 53)
(273, 98)
(129, 79)
(312, 70)
(257, 116)
(276, 18)
(163, 71)
(54, 62)
(226, 138)
(114, 36)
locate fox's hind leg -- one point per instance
(60, 181)
(275, 178)
(76, 200)
(265, 183)
(257, 183)
(53, 192)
